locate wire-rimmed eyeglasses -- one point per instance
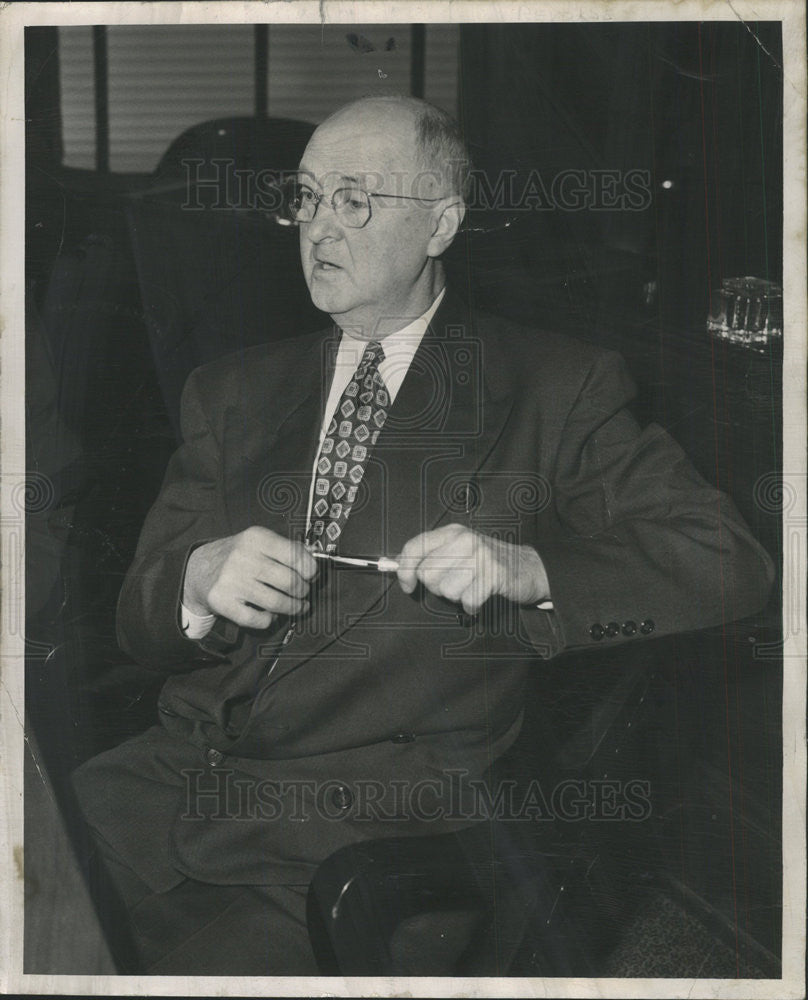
(351, 205)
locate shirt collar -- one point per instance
(402, 344)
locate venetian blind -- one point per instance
(165, 78)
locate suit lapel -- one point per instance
(269, 453)
(454, 399)
(446, 419)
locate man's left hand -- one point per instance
(468, 567)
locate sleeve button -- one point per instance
(612, 629)
(629, 628)
(647, 627)
(596, 631)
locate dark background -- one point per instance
(126, 292)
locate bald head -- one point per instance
(431, 133)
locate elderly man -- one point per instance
(518, 512)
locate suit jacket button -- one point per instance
(596, 631)
(612, 629)
(629, 628)
(214, 757)
(342, 798)
(647, 627)
(402, 738)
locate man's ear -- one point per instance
(448, 219)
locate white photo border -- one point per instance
(13, 19)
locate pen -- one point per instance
(382, 564)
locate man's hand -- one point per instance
(463, 565)
(249, 578)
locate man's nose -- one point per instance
(325, 224)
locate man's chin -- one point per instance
(328, 300)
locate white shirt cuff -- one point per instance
(195, 626)
(545, 606)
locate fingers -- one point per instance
(285, 551)
(447, 573)
(453, 562)
(267, 571)
(475, 595)
(267, 567)
(257, 574)
(229, 595)
(415, 555)
(245, 616)
(250, 577)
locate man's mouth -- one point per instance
(325, 265)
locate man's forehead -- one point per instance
(328, 180)
(357, 149)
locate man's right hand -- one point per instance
(249, 577)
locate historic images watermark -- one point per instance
(221, 793)
(35, 514)
(777, 494)
(220, 185)
(499, 503)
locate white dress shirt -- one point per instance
(399, 350)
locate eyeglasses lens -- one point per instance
(351, 205)
(301, 202)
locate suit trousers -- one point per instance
(197, 928)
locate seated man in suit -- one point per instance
(521, 512)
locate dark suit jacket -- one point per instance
(269, 756)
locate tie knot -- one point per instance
(374, 355)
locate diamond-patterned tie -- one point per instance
(351, 435)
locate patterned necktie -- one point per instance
(354, 429)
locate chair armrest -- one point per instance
(367, 900)
(484, 901)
